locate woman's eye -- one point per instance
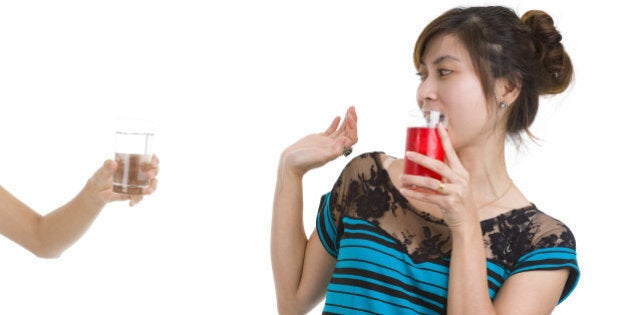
(422, 75)
(444, 72)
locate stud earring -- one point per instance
(503, 104)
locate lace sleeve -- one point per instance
(334, 204)
(553, 247)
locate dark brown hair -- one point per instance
(526, 51)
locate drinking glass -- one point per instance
(422, 137)
(133, 154)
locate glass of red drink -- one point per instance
(422, 137)
(133, 154)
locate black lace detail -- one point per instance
(372, 197)
(364, 190)
(433, 246)
(508, 236)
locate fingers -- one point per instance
(155, 161)
(449, 151)
(153, 181)
(152, 186)
(134, 200)
(344, 135)
(108, 168)
(341, 146)
(103, 176)
(333, 126)
(153, 167)
(422, 182)
(449, 169)
(351, 119)
(348, 127)
(431, 164)
(426, 195)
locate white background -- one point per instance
(230, 86)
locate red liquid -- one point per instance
(424, 141)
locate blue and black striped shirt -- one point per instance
(394, 259)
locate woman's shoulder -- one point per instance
(363, 166)
(549, 231)
(535, 228)
(370, 158)
(370, 154)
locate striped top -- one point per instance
(394, 259)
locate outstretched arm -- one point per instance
(48, 236)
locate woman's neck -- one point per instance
(487, 170)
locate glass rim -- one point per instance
(135, 133)
(418, 117)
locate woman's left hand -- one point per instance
(452, 195)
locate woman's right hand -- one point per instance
(318, 149)
(100, 184)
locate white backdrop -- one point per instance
(231, 85)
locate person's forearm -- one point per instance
(468, 283)
(61, 228)
(288, 239)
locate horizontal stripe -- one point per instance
(368, 230)
(334, 309)
(393, 288)
(376, 301)
(385, 256)
(374, 273)
(546, 267)
(420, 282)
(543, 262)
(545, 253)
(386, 248)
(431, 276)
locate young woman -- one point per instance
(50, 235)
(473, 244)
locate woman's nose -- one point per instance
(425, 94)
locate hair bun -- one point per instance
(557, 69)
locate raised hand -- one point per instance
(318, 149)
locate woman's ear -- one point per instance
(506, 91)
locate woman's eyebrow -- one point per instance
(441, 59)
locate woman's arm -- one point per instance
(48, 236)
(532, 292)
(301, 266)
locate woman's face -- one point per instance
(451, 85)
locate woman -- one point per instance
(50, 235)
(474, 244)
